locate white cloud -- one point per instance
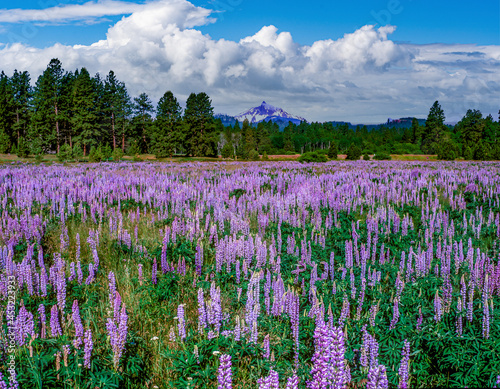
(361, 77)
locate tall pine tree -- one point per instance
(84, 114)
(199, 126)
(167, 135)
(46, 103)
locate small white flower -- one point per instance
(216, 352)
(155, 338)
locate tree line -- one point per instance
(75, 113)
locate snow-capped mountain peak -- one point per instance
(266, 112)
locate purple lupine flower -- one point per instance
(344, 313)
(61, 289)
(395, 314)
(72, 273)
(328, 369)
(438, 308)
(78, 324)
(486, 311)
(91, 276)
(224, 373)
(79, 273)
(202, 313)
(404, 368)
(420, 319)
(3, 385)
(199, 259)
(55, 328)
(24, 325)
(153, 272)
(377, 378)
(139, 271)
(292, 382)
(272, 381)
(237, 330)
(181, 325)
(470, 303)
(112, 286)
(43, 321)
(117, 303)
(87, 348)
(163, 258)
(267, 347)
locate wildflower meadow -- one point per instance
(250, 275)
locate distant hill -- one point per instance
(391, 123)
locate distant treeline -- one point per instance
(76, 114)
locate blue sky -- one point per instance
(324, 60)
(418, 21)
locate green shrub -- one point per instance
(353, 153)
(468, 153)
(366, 157)
(77, 152)
(254, 155)
(333, 151)
(447, 150)
(106, 152)
(382, 157)
(117, 154)
(312, 156)
(22, 148)
(264, 156)
(65, 153)
(227, 151)
(134, 148)
(95, 154)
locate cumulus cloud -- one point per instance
(69, 12)
(361, 77)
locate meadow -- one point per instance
(250, 275)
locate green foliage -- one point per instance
(5, 145)
(253, 155)
(106, 152)
(117, 154)
(227, 151)
(332, 150)
(312, 156)
(65, 153)
(95, 154)
(481, 152)
(264, 156)
(447, 150)
(353, 153)
(468, 154)
(22, 148)
(366, 157)
(199, 132)
(434, 129)
(382, 157)
(77, 152)
(134, 148)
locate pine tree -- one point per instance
(471, 128)
(115, 102)
(332, 150)
(22, 92)
(84, 115)
(167, 134)
(143, 107)
(46, 103)
(199, 126)
(434, 128)
(6, 117)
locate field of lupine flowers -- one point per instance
(250, 275)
